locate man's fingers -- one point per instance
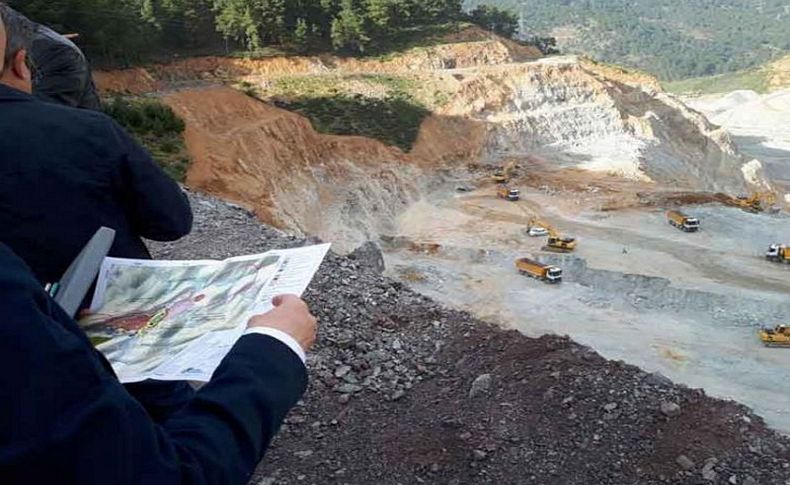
(282, 299)
(292, 316)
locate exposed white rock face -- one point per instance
(753, 173)
(575, 117)
(759, 124)
(348, 212)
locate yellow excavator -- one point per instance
(560, 244)
(556, 243)
(776, 337)
(757, 202)
(502, 175)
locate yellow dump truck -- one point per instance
(682, 221)
(776, 337)
(778, 253)
(505, 192)
(543, 272)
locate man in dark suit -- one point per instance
(62, 74)
(64, 418)
(64, 173)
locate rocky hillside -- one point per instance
(474, 100)
(579, 116)
(404, 390)
(674, 39)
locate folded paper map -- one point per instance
(176, 320)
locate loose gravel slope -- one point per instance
(406, 391)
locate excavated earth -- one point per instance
(404, 390)
(490, 101)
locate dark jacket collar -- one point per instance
(8, 93)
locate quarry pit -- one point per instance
(638, 290)
(593, 140)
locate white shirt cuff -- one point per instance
(282, 337)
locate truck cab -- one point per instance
(554, 275)
(509, 194)
(691, 224)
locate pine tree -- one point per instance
(348, 31)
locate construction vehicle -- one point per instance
(543, 272)
(776, 337)
(502, 175)
(556, 243)
(778, 253)
(757, 202)
(507, 193)
(499, 177)
(682, 221)
(559, 244)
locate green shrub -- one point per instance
(394, 120)
(156, 127)
(145, 116)
(756, 80)
(248, 88)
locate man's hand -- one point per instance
(290, 315)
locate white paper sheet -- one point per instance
(176, 320)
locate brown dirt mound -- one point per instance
(244, 150)
(132, 81)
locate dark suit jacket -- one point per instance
(66, 172)
(65, 419)
(61, 72)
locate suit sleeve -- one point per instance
(153, 202)
(232, 420)
(161, 399)
(64, 418)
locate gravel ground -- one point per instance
(406, 391)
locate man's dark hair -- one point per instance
(18, 31)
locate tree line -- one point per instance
(131, 30)
(674, 39)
